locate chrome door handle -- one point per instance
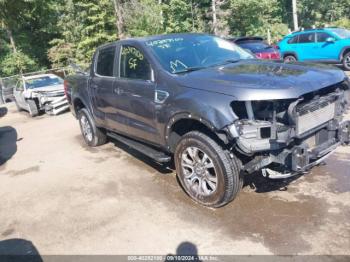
(118, 91)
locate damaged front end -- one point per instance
(52, 102)
(287, 137)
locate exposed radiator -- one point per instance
(313, 119)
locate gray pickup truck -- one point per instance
(213, 109)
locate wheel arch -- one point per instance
(344, 51)
(290, 53)
(184, 123)
(78, 104)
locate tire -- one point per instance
(346, 61)
(289, 59)
(220, 166)
(93, 136)
(32, 108)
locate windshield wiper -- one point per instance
(190, 69)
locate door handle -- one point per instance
(118, 91)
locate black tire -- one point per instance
(226, 169)
(289, 59)
(346, 61)
(32, 108)
(98, 137)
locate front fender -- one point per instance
(211, 109)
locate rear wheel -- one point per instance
(207, 172)
(289, 59)
(346, 61)
(93, 135)
(32, 108)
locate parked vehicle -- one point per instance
(44, 92)
(258, 47)
(6, 90)
(325, 45)
(208, 103)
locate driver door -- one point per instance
(18, 94)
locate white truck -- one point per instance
(44, 92)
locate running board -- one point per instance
(156, 155)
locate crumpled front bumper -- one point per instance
(299, 158)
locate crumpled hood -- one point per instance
(263, 80)
(55, 88)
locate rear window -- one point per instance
(255, 46)
(105, 61)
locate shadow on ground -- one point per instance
(185, 251)
(8, 146)
(3, 111)
(18, 250)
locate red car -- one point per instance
(258, 47)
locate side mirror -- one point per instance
(330, 40)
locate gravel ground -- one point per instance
(67, 198)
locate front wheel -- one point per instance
(32, 108)
(206, 171)
(93, 136)
(346, 61)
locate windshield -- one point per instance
(255, 47)
(180, 54)
(342, 33)
(43, 82)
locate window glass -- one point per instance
(180, 54)
(342, 33)
(133, 64)
(293, 40)
(44, 81)
(105, 61)
(322, 37)
(307, 38)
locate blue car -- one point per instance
(326, 45)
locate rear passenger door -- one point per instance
(306, 46)
(102, 83)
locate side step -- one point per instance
(156, 155)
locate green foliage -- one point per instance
(143, 18)
(18, 62)
(52, 33)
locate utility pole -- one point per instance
(215, 26)
(295, 15)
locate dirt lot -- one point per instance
(69, 199)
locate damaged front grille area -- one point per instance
(292, 134)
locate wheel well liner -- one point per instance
(78, 104)
(181, 125)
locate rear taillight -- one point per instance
(65, 84)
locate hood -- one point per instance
(55, 88)
(263, 80)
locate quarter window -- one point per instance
(322, 37)
(105, 61)
(133, 64)
(307, 38)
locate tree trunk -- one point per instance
(215, 26)
(119, 18)
(12, 40)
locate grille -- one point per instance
(314, 118)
